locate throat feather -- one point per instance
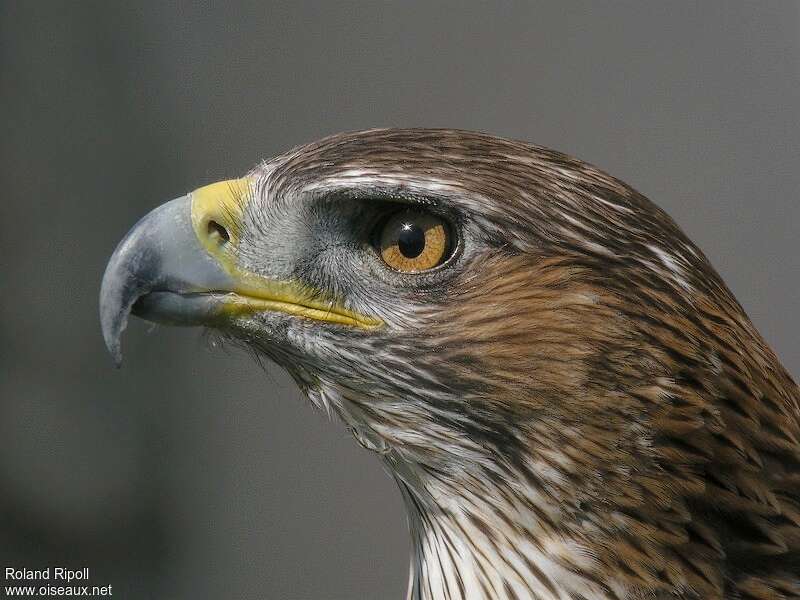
(491, 544)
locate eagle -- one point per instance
(572, 402)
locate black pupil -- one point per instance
(411, 240)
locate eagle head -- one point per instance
(571, 401)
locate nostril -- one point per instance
(218, 233)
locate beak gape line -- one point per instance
(178, 266)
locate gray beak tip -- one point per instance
(116, 358)
(115, 349)
(113, 319)
(159, 255)
(134, 268)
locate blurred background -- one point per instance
(192, 473)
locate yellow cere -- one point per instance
(217, 218)
(219, 204)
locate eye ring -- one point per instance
(413, 241)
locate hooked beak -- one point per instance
(178, 265)
(155, 270)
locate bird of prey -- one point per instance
(572, 402)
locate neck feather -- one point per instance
(491, 542)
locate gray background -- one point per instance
(190, 473)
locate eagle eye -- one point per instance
(412, 241)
